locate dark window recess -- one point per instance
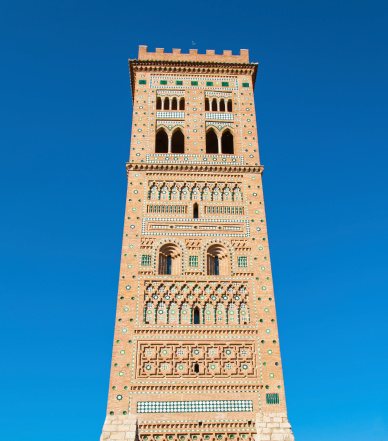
(182, 104)
(230, 108)
(158, 103)
(207, 104)
(227, 143)
(166, 104)
(216, 266)
(211, 142)
(222, 106)
(196, 368)
(161, 142)
(169, 265)
(196, 320)
(214, 105)
(195, 211)
(174, 105)
(178, 142)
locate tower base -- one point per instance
(273, 427)
(119, 427)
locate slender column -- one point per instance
(219, 145)
(169, 143)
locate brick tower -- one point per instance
(196, 349)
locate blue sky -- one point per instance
(321, 101)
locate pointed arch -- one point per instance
(227, 147)
(177, 142)
(161, 141)
(211, 142)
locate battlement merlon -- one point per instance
(193, 55)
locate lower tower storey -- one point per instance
(195, 385)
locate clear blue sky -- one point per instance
(321, 100)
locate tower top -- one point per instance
(194, 56)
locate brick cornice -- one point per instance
(135, 166)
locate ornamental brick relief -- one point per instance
(201, 191)
(198, 436)
(212, 303)
(196, 360)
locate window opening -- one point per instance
(166, 104)
(196, 368)
(174, 105)
(161, 142)
(230, 108)
(178, 142)
(222, 106)
(216, 266)
(211, 142)
(168, 265)
(227, 143)
(182, 104)
(158, 103)
(207, 107)
(196, 320)
(214, 105)
(195, 211)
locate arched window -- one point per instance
(207, 107)
(222, 106)
(182, 104)
(178, 142)
(211, 142)
(214, 105)
(174, 105)
(170, 259)
(230, 108)
(195, 211)
(196, 316)
(161, 142)
(166, 104)
(227, 143)
(158, 103)
(218, 261)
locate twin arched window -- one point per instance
(217, 260)
(174, 143)
(219, 144)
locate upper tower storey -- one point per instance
(193, 109)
